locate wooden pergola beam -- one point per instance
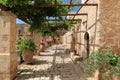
(48, 5)
(66, 19)
(70, 3)
(69, 7)
(81, 7)
(77, 4)
(74, 14)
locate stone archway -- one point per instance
(87, 46)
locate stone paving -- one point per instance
(53, 64)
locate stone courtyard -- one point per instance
(94, 26)
(53, 64)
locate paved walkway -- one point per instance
(53, 64)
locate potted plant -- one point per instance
(106, 62)
(27, 49)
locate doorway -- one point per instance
(87, 46)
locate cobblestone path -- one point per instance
(53, 64)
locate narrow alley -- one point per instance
(53, 64)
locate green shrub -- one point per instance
(24, 44)
(104, 59)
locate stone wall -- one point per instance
(102, 24)
(72, 38)
(67, 40)
(8, 55)
(89, 24)
(110, 24)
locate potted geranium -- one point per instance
(27, 49)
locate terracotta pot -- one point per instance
(28, 56)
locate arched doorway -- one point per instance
(87, 47)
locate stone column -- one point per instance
(8, 55)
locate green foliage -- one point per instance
(30, 12)
(24, 44)
(3, 1)
(104, 59)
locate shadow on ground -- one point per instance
(58, 71)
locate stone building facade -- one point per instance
(101, 25)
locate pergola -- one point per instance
(70, 4)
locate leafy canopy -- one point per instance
(30, 12)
